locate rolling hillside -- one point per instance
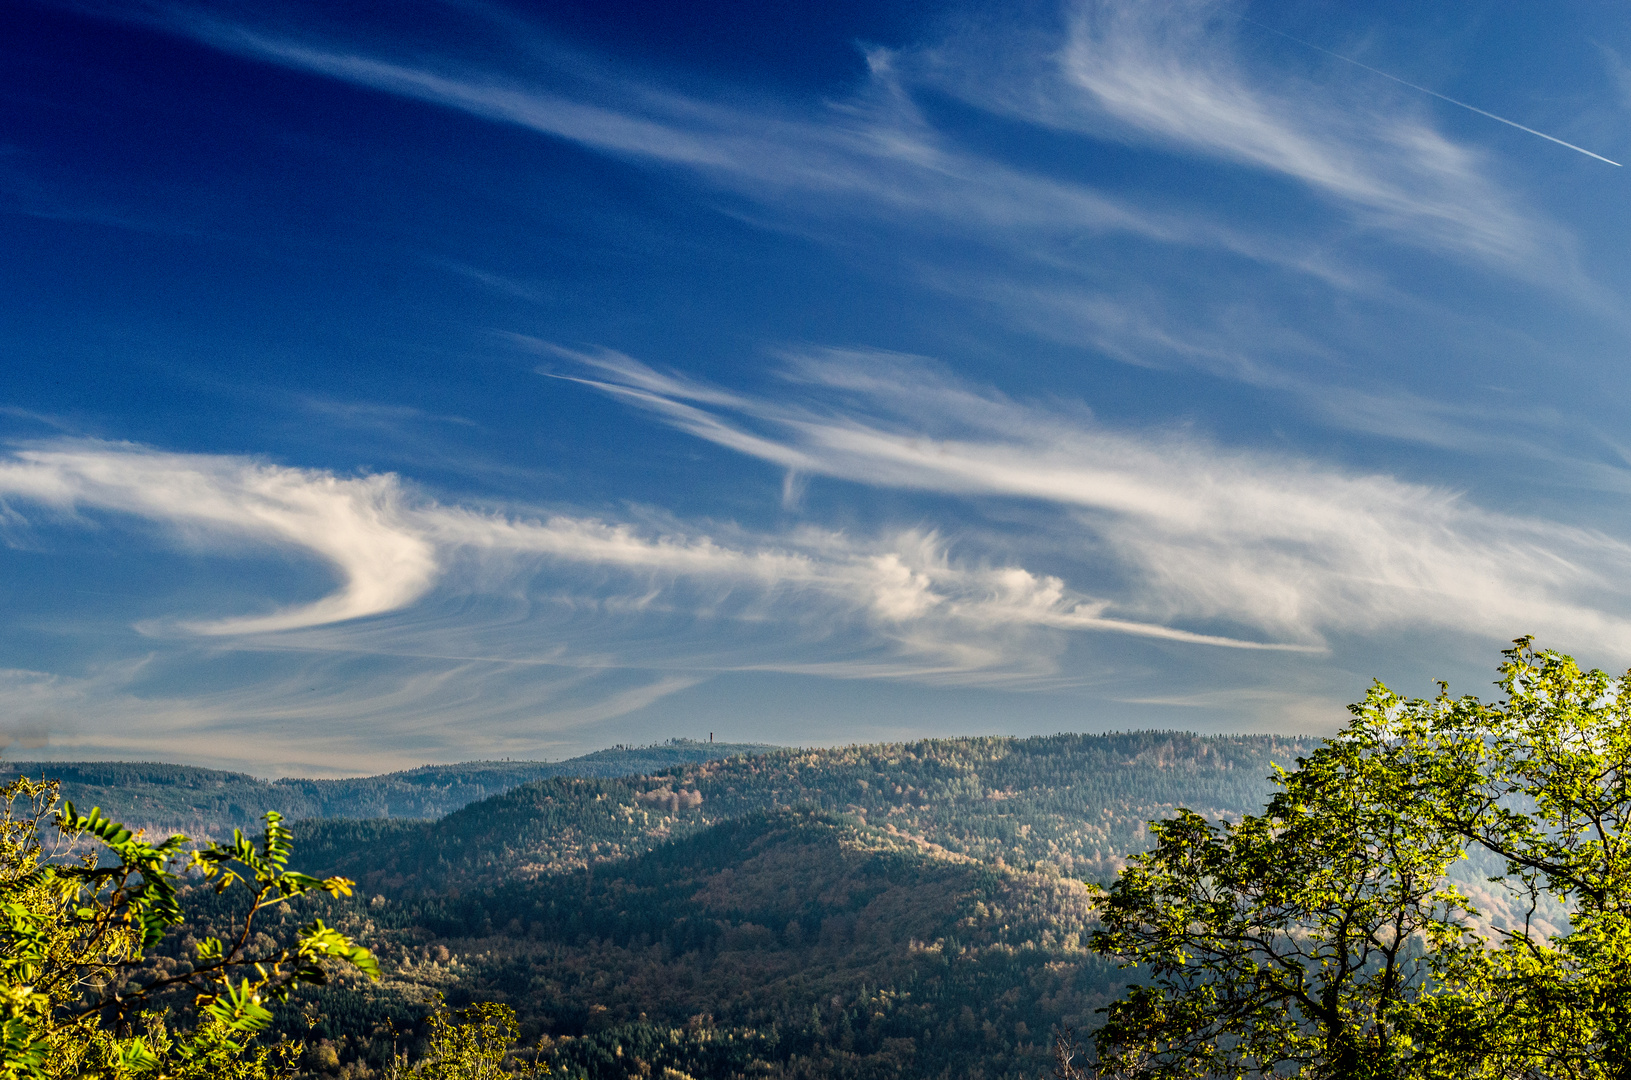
(908, 910)
(1076, 803)
(783, 943)
(903, 910)
(211, 803)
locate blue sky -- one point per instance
(436, 381)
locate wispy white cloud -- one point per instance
(350, 523)
(526, 627)
(1061, 255)
(1164, 537)
(1170, 74)
(873, 157)
(912, 609)
(1174, 74)
(317, 713)
(875, 147)
(1287, 546)
(446, 615)
(1241, 342)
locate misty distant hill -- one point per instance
(209, 802)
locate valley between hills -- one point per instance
(708, 910)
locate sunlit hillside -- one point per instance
(890, 910)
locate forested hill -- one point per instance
(907, 911)
(208, 802)
(1075, 803)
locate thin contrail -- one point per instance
(1434, 93)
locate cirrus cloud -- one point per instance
(350, 523)
(1288, 547)
(927, 614)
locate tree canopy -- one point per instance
(1330, 934)
(82, 898)
(1291, 939)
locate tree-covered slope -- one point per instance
(1075, 802)
(779, 944)
(834, 948)
(893, 911)
(208, 802)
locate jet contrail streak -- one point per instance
(1434, 93)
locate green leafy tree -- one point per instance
(1324, 936)
(1301, 939)
(473, 1043)
(1542, 780)
(81, 901)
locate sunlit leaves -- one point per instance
(1538, 778)
(1324, 935)
(72, 932)
(473, 1043)
(1290, 939)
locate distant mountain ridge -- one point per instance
(1077, 802)
(209, 802)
